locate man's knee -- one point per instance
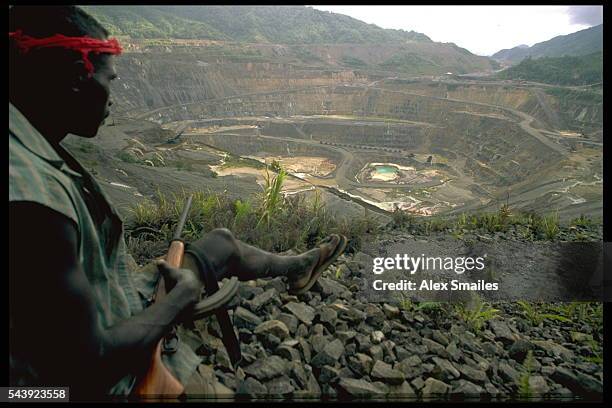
(225, 238)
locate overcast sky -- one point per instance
(483, 30)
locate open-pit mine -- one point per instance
(424, 145)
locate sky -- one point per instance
(483, 30)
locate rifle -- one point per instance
(158, 380)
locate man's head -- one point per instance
(61, 88)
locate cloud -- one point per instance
(585, 15)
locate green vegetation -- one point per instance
(528, 225)
(288, 25)
(353, 62)
(535, 313)
(476, 314)
(579, 43)
(524, 389)
(582, 70)
(289, 222)
(410, 63)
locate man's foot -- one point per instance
(328, 251)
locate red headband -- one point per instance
(84, 45)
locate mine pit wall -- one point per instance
(150, 81)
(554, 108)
(458, 127)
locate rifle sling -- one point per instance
(230, 341)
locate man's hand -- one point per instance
(183, 278)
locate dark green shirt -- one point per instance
(38, 174)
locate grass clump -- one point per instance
(476, 314)
(535, 313)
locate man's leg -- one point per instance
(232, 257)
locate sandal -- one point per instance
(326, 258)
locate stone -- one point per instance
(384, 372)
(305, 348)
(578, 337)
(329, 287)
(358, 388)
(328, 317)
(288, 353)
(434, 387)
(280, 386)
(273, 327)
(302, 311)
(418, 383)
(270, 341)
(453, 351)
(262, 299)
(376, 352)
(329, 355)
(403, 391)
(346, 335)
(401, 353)
(554, 349)
(444, 370)
(467, 388)
(472, 374)
(361, 364)
(318, 342)
(435, 348)
(377, 337)
(519, 349)
(290, 321)
(252, 388)
(577, 382)
(438, 336)
(507, 373)
(538, 385)
(391, 312)
(502, 332)
(243, 318)
(328, 374)
(267, 368)
(374, 316)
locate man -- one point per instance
(76, 316)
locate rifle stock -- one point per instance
(158, 380)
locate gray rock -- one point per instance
(306, 349)
(288, 353)
(502, 332)
(507, 373)
(377, 337)
(247, 292)
(290, 321)
(318, 342)
(519, 349)
(472, 374)
(358, 388)
(576, 381)
(401, 353)
(444, 370)
(375, 316)
(384, 372)
(329, 355)
(302, 311)
(345, 335)
(467, 388)
(262, 299)
(435, 348)
(361, 364)
(328, 287)
(328, 317)
(245, 319)
(267, 368)
(453, 351)
(418, 383)
(392, 312)
(403, 391)
(538, 385)
(433, 387)
(280, 386)
(328, 374)
(376, 352)
(252, 388)
(440, 337)
(553, 349)
(273, 327)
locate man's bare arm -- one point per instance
(55, 313)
